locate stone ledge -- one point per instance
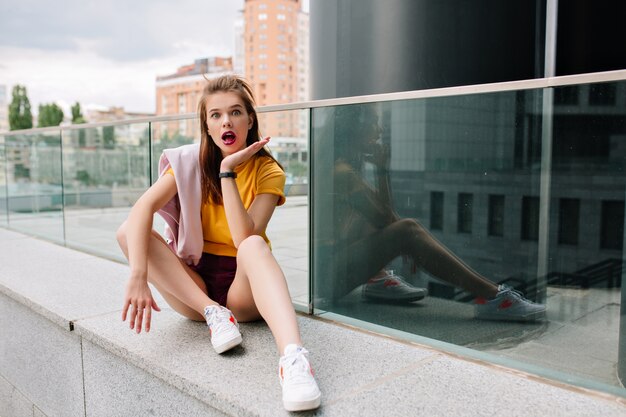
(359, 373)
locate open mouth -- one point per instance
(228, 137)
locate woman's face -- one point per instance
(228, 121)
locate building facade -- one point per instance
(180, 92)
(275, 50)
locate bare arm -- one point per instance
(138, 230)
(241, 222)
(139, 224)
(369, 202)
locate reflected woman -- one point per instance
(366, 233)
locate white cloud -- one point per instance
(107, 53)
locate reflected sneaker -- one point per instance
(509, 304)
(224, 328)
(390, 287)
(300, 391)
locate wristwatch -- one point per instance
(228, 174)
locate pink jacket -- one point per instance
(183, 231)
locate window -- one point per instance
(496, 215)
(612, 225)
(530, 218)
(569, 213)
(567, 95)
(280, 17)
(262, 16)
(602, 94)
(182, 103)
(464, 213)
(436, 210)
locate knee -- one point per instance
(121, 236)
(251, 247)
(411, 228)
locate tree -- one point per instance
(77, 118)
(108, 137)
(20, 116)
(49, 115)
(77, 115)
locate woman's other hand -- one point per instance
(138, 299)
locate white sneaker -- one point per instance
(387, 286)
(510, 305)
(300, 391)
(224, 328)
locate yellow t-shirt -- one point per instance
(258, 175)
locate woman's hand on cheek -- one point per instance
(231, 161)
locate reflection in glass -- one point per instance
(469, 168)
(370, 185)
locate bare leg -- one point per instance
(366, 257)
(183, 289)
(260, 290)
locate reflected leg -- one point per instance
(367, 256)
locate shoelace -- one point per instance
(296, 367)
(391, 277)
(514, 293)
(219, 319)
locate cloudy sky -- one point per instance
(107, 52)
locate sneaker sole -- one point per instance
(386, 297)
(228, 345)
(303, 405)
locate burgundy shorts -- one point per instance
(218, 273)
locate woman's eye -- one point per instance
(215, 115)
(236, 112)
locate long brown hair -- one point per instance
(210, 155)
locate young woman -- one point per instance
(217, 199)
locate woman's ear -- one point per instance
(250, 121)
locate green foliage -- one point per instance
(20, 171)
(83, 177)
(108, 137)
(77, 115)
(49, 115)
(20, 116)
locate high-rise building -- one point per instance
(179, 93)
(275, 56)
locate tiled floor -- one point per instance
(579, 338)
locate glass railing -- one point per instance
(75, 185)
(420, 206)
(456, 195)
